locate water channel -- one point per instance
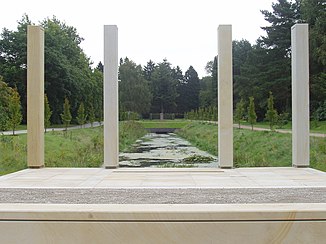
(165, 151)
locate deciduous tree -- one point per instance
(134, 90)
(15, 115)
(5, 94)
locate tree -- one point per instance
(252, 117)
(100, 67)
(284, 15)
(206, 97)
(164, 88)
(66, 115)
(149, 69)
(313, 12)
(81, 116)
(208, 85)
(13, 59)
(239, 112)
(277, 47)
(240, 51)
(193, 87)
(271, 114)
(47, 113)
(188, 89)
(15, 115)
(68, 71)
(134, 90)
(91, 115)
(5, 94)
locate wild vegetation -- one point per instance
(74, 148)
(254, 148)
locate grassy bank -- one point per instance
(164, 123)
(76, 148)
(255, 148)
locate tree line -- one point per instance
(259, 70)
(160, 87)
(68, 71)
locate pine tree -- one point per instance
(15, 115)
(164, 87)
(66, 115)
(239, 111)
(271, 114)
(252, 117)
(47, 113)
(81, 116)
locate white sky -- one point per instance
(183, 31)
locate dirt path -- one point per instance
(248, 127)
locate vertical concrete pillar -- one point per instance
(300, 95)
(225, 97)
(35, 97)
(111, 111)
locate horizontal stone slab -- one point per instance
(163, 195)
(252, 223)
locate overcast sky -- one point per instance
(183, 31)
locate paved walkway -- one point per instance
(18, 132)
(164, 178)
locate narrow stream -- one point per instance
(165, 150)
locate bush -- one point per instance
(320, 113)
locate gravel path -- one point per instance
(164, 196)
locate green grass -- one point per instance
(75, 148)
(255, 148)
(84, 147)
(163, 123)
(317, 127)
